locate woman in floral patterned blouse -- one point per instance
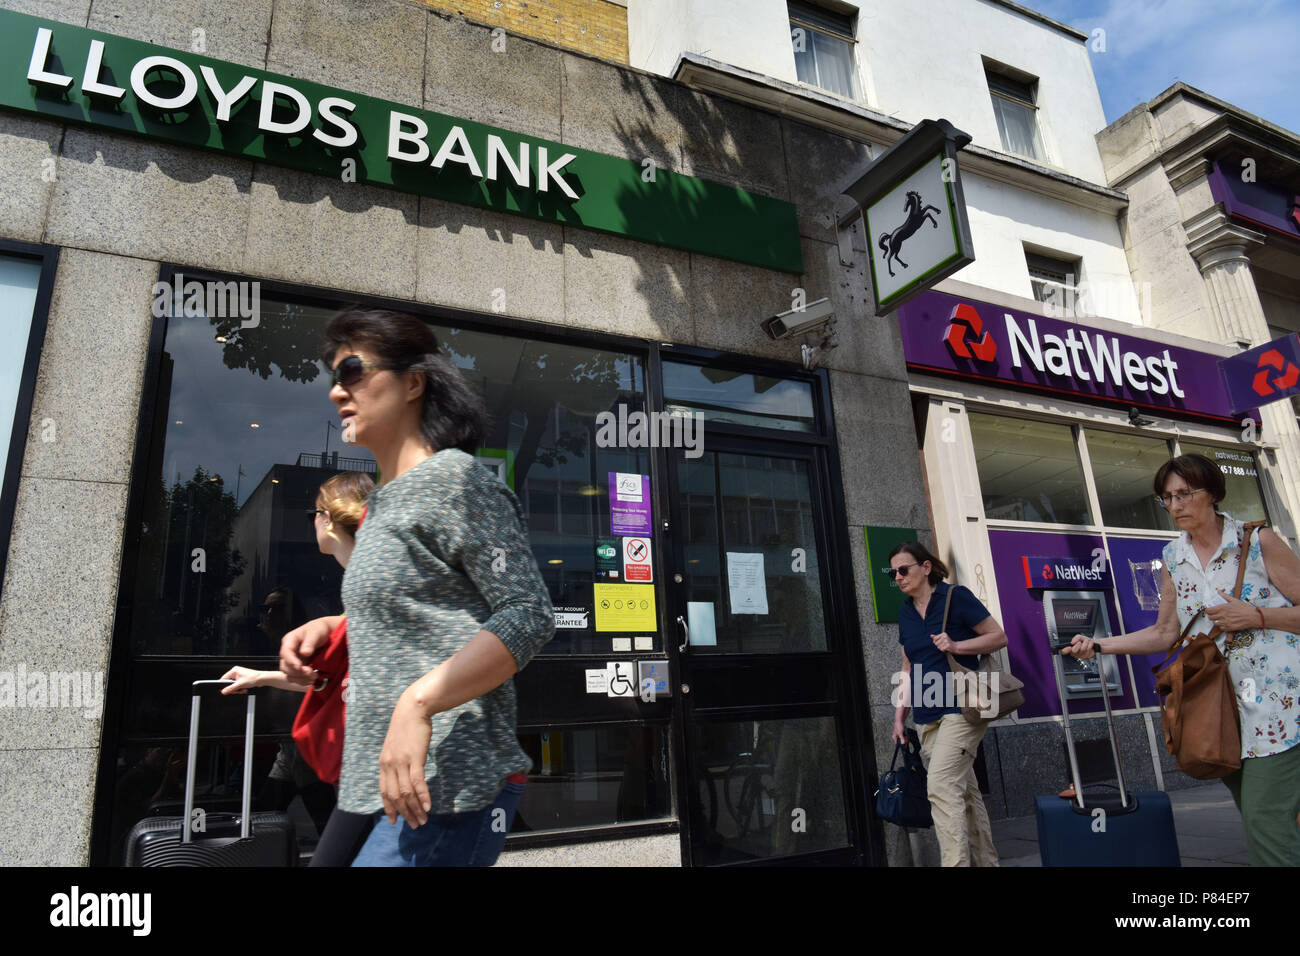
(1259, 643)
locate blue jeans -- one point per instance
(474, 838)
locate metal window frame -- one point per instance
(24, 401)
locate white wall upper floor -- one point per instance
(925, 59)
(922, 59)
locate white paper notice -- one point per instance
(699, 619)
(747, 583)
(597, 681)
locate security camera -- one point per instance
(800, 321)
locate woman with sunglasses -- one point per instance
(949, 741)
(318, 729)
(1259, 643)
(445, 604)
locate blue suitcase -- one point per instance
(1103, 825)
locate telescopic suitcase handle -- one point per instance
(1058, 669)
(213, 688)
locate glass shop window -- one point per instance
(1123, 467)
(559, 454)
(20, 278)
(584, 777)
(1244, 499)
(1028, 470)
(739, 398)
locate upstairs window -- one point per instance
(1055, 281)
(823, 48)
(1013, 105)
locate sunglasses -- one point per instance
(351, 370)
(899, 572)
(313, 512)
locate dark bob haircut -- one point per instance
(454, 414)
(921, 554)
(1197, 470)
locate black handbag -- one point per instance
(902, 795)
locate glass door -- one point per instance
(764, 743)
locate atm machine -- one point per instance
(1071, 613)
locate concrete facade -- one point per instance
(1213, 277)
(121, 207)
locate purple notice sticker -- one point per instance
(629, 503)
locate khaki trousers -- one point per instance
(961, 822)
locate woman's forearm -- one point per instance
(1149, 640)
(982, 644)
(1282, 618)
(482, 665)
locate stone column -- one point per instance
(1222, 251)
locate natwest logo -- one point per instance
(1092, 357)
(966, 336)
(1273, 360)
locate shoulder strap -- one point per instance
(1242, 554)
(943, 628)
(1243, 544)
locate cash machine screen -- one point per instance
(1075, 617)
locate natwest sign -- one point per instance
(1065, 573)
(966, 338)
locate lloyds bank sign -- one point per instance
(111, 83)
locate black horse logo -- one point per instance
(917, 213)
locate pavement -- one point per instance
(1208, 825)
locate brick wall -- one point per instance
(595, 27)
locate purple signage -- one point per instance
(629, 503)
(1264, 374)
(1028, 649)
(1262, 204)
(970, 339)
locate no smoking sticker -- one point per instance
(636, 560)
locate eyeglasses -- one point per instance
(1178, 496)
(899, 572)
(313, 512)
(351, 370)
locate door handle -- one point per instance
(686, 635)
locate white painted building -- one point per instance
(1033, 175)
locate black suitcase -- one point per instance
(1132, 829)
(227, 839)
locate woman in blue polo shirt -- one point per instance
(948, 740)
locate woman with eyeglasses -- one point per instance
(318, 729)
(445, 604)
(949, 741)
(1199, 570)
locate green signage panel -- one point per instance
(112, 83)
(886, 598)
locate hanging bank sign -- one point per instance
(963, 338)
(74, 75)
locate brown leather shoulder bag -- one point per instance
(1198, 701)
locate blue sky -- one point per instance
(1242, 51)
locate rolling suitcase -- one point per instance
(224, 839)
(1131, 829)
